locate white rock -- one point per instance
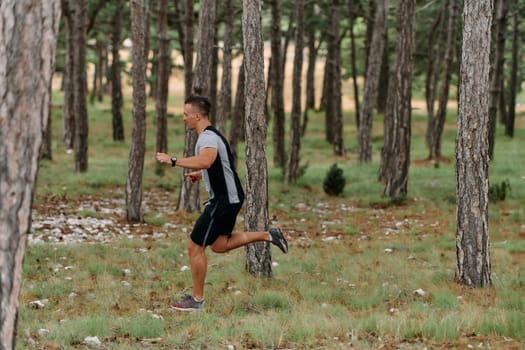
(93, 341)
(389, 250)
(37, 304)
(420, 292)
(184, 268)
(43, 331)
(275, 264)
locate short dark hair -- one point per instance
(200, 102)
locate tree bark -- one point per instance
(189, 193)
(292, 165)
(138, 136)
(472, 235)
(338, 144)
(258, 257)
(395, 159)
(163, 75)
(371, 83)
(69, 92)
(27, 55)
(277, 103)
(116, 85)
(224, 101)
(80, 141)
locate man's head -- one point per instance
(196, 109)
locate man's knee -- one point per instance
(194, 249)
(218, 247)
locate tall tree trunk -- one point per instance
(434, 59)
(46, 151)
(371, 83)
(189, 193)
(258, 257)
(163, 75)
(116, 85)
(80, 141)
(351, 20)
(371, 14)
(237, 125)
(69, 92)
(277, 103)
(27, 44)
(337, 97)
(509, 122)
(138, 136)
(224, 101)
(472, 177)
(438, 122)
(313, 50)
(292, 165)
(395, 159)
(311, 31)
(214, 76)
(332, 34)
(188, 48)
(382, 92)
(499, 28)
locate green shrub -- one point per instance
(334, 182)
(498, 192)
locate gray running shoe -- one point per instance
(188, 304)
(278, 239)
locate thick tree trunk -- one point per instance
(80, 141)
(292, 165)
(337, 98)
(189, 193)
(116, 85)
(277, 103)
(224, 100)
(27, 44)
(395, 159)
(371, 83)
(138, 136)
(163, 75)
(69, 92)
(472, 236)
(258, 257)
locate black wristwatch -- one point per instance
(173, 161)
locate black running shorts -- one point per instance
(217, 219)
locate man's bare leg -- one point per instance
(224, 244)
(199, 267)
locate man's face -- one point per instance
(191, 116)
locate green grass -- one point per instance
(346, 291)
